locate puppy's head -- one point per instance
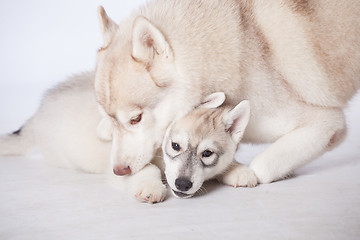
(134, 86)
(202, 144)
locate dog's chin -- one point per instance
(181, 194)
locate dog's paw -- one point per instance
(240, 176)
(151, 192)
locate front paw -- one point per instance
(239, 176)
(151, 191)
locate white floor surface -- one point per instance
(38, 48)
(322, 201)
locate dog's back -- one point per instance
(314, 45)
(311, 46)
(296, 61)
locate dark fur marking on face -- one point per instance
(213, 164)
(189, 163)
(218, 154)
(169, 156)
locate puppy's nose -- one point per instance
(183, 184)
(122, 171)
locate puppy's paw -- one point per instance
(151, 191)
(239, 176)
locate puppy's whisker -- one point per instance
(164, 181)
(202, 191)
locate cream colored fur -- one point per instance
(71, 132)
(298, 62)
(64, 128)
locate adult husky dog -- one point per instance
(202, 145)
(298, 62)
(71, 132)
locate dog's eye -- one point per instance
(207, 153)
(175, 146)
(136, 120)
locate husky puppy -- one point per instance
(64, 128)
(297, 62)
(202, 145)
(71, 132)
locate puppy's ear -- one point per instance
(108, 26)
(149, 43)
(237, 119)
(213, 100)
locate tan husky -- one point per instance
(202, 145)
(71, 132)
(298, 62)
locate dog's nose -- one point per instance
(183, 184)
(122, 171)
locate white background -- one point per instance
(43, 42)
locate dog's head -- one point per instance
(134, 87)
(202, 144)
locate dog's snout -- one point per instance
(122, 171)
(183, 184)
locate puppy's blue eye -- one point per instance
(175, 146)
(207, 153)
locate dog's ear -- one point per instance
(149, 43)
(108, 26)
(104, 130)
(237, 119)
(213, 100)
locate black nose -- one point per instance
(183, 184)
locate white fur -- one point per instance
(71, 132)
(64, 128)
(296, 61)
(237, 119)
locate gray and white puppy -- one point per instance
(202, 144)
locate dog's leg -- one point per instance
(324, 129)
(238, 175)
(147, 185)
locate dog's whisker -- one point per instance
(202, 191)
